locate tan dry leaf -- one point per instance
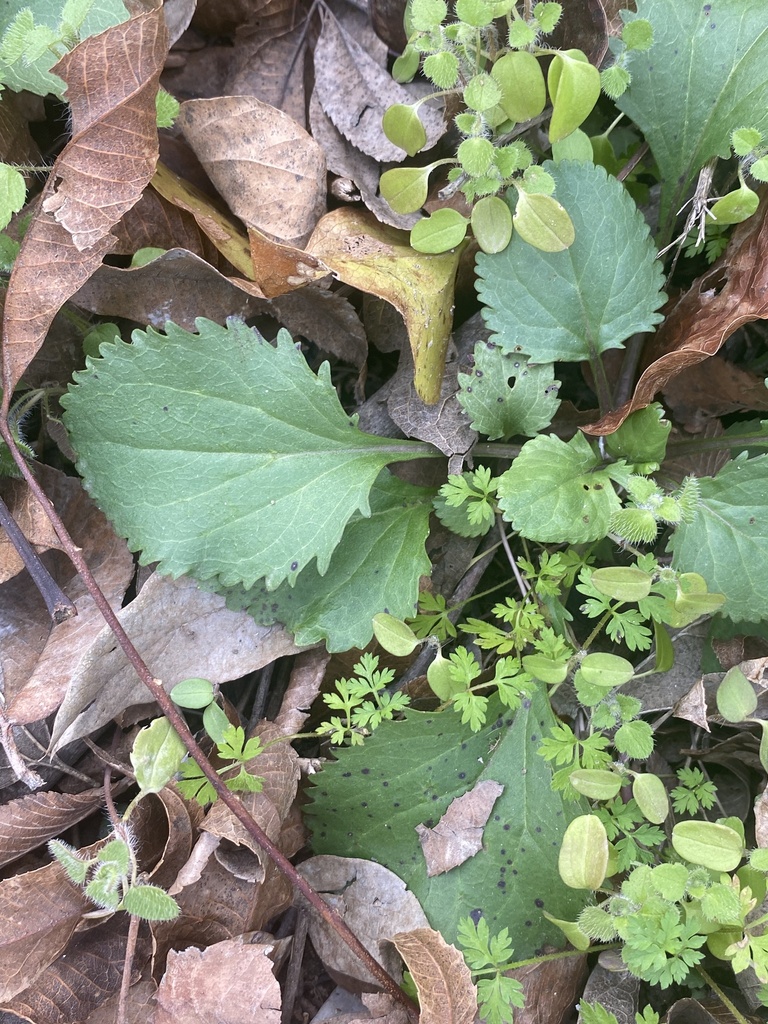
(37, 660)
(112, 80)
(303, 688)
(227, 983)
(177, 286)
(269, 170)
(692, 706)
(279, 269)
(355, 91)
(459, 833)
(31, 519)
(733, 292)
(378, 259)
(375, 904)
(32, 820)
(443, 980)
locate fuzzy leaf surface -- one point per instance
(555, 491)
(575, 304)
(500, 409)
(727, 542)
(220, 455)
(369, 802)
(702, 77)
(376, 566)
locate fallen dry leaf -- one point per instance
(713, 388)
(32, 820)
(733, 292)
(155, 221)
(458, 835)
(228, 983)
(375, 904)
(692, 706)
(31, 519)
(325, 318)
(551, 989)
(443, 980)
(112, 80)
(279, 268)
(378, 259)
(269, 170)
(761, 819)
(181, 631)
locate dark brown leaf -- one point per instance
(32, 820)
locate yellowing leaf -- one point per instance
(542, 222)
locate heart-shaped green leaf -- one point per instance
(403, 128)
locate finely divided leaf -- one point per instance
(575, 304)
(369, 802)
(499, 409)
(221, 455)
(727, 542)
(555, 491)
(703, 77)
(376, 567)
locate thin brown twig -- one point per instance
(171, 712)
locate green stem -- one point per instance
(564, 954)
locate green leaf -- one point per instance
(745, 140)
(376, 567)
(33, 72)
(606, 670)
(166, 108)
(394, 635)
(736, 697)
(735, 207)
(495, 406)
(576, 304)
(555, 491)
(442, 69)
(651, 797)
(368, 803)
(727, 542)
(596, 783)
(475, 156)
(622, 582)
(150, 903)
(157, 753)
(405, 188)
(542, 222)
(713, 846)
(574, 86)
(492, 224)
(13, 192)
(216, 723)
(642, 437)
(444, 230)
(221, 455)
(635, 739)
(702, 77)
(403, 128)
(576, 146)
(427, 14)
(583, 860)
(523, 92)
(193, 693)
(406, 65)
(70, 860)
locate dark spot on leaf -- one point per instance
(478, 373)
(434, 796)
(534, 738)
(385, 784)
(538, 828)
(514, 871)
(346, 775)
(539, 903)
(463, 746)
(462, 775)
(528, 924)
(475, 915)
(507, 827)
(501, 884)
(165, 408)
(365, 771)
(497, 817)
(500, 398)
(503, 852)
(364, 803)
(395, 805)
(294, 566)
(469, 390)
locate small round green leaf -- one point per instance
(637, 34)
(116, 852)
(442, 69)
(744, 140)
(523, 91)
(759, 859)
(736, 697)
(403, 128)
(476, 156)
(583, 859)
(426, 14)
(482, 92)
(146, 255)
(536, 180)
(394, 635)
(716, 847)
(443, 231)
(608, 670)
(150, 903)
(544, 669)
(193, 693)
(651, 797)
(622, 582)
(405, 188)
(547, 15)
(521, 34)
(70, 860)
(736, 207)
(215, 722)
(574, 87)
(478, 13)
(542, 222)
(595, 783)
(492, 224)
(441, 681)
(157, 752)
(670, 881)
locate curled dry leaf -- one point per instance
(355, 91)
(111, 81)
(269, 170)
(443, 980)
(730, 294)
(459, 833)
(692, 706)
(278, 269)
(227, 983)
(379, 260)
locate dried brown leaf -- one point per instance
(278, 268)
(156, 222)
(730, 294)
(325, 318)
(303, 687)
(443, 980)
(550, 988)
(31, 519)
(713, 388)
(271, 173)
(177, 286)
(375, 904)
(227, 983)
(583, 26)
(355, 91)
(692, 706)
(458, 835)
(181, 631)
(112, 80)
(32, 820)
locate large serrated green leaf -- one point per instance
(500, 410)
(220, 455)
(36, 75)
(376, 567)
(556, 491)
(727, 542)
(575, 304)
(703, 77)
(368, 803)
